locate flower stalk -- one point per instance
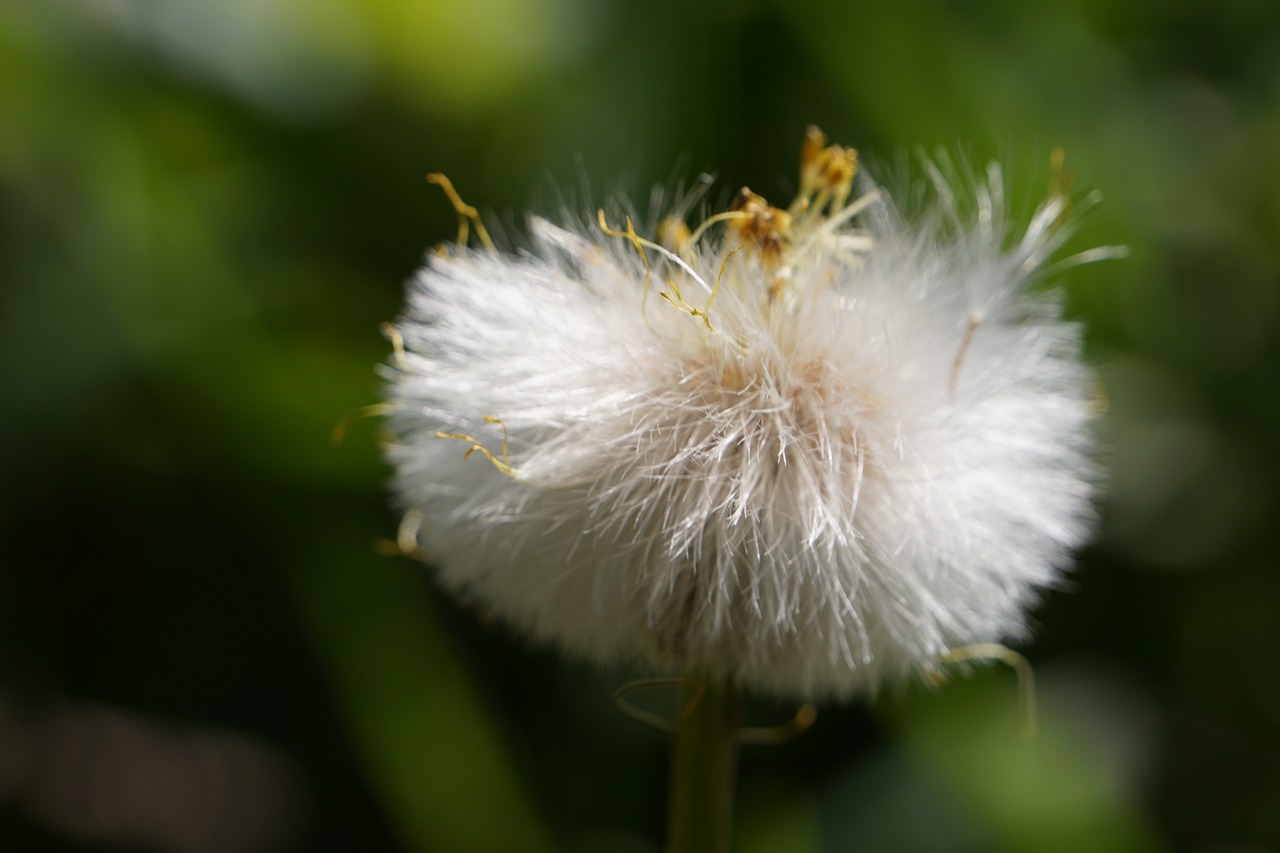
(704, 768)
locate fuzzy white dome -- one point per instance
(871, 446)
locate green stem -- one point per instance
(700, 814)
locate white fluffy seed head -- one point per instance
(869, 447)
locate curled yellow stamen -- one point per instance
(712, 220)
(407, 533)
(406, 542)
(1019, 664)
(392, 334)
(631, 235)
(467, 215)
(639, 241)
(339, 431)
(804, 717)
(679, 302)
(803, 720)
(503, 464)
(649, 718)
(719, 277)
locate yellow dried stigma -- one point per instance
(503, 464)
(467, 215)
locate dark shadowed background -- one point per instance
(206, 211)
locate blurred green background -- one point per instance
(206, 211)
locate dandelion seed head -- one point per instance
(807, 450)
